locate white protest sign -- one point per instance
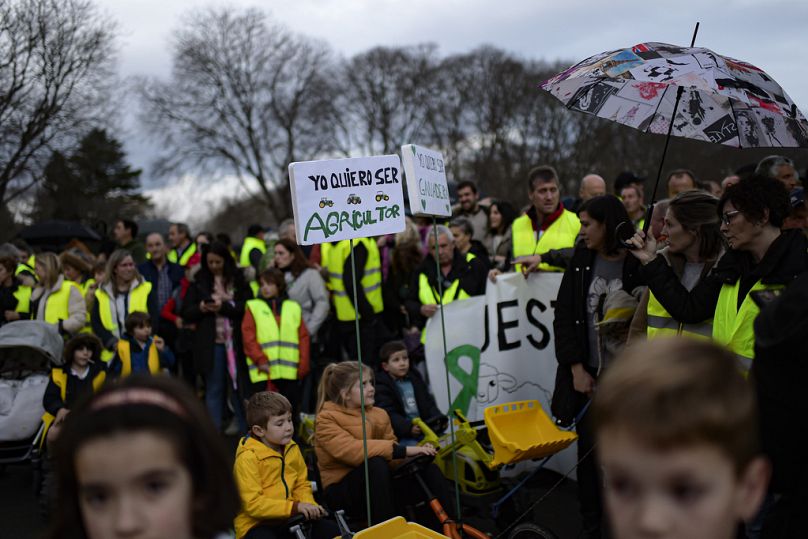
(426, 181)
(340, 199)
(500, 349)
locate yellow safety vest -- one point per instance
(58, 303)
(85, 287)
(280, 344)
(250, 243)
(186, 255)
(255, 287)
(559, 235)
(428, 295)
(22, 268)
(734, 327)
(59, 377)
(662, 324)
(23, 297)
(371, 280)
(138, 301)
(125, 353)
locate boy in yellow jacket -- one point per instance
(272, 475)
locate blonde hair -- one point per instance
(676, 392)
(338, 378)
(53, 268)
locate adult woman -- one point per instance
(56, 300)
(498, 237)
(303, 284)
(15, 297)
(598, 271)
(694, 244)
(122, 291)
(215, 303)
(760, 257)
(406, 257)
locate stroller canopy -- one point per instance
(41, 338)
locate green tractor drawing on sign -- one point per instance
(354, 199)
(325, 202)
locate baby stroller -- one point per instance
(28, 349)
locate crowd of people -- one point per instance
(263, 333)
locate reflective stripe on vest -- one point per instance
(734, 327)
(661, 323)
(23, 297)
(58, 303)
(427, 294)
(125, 353)
(250, 243)
(280, 344)
(559, 235)
(186, 255)
(371, 282)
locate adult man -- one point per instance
(592, 186)
(368, 305)
(183, 249)
(125, 232)
(461, 276)
(633, 202)
(681, 180)
(163, 274)
(780, 168)
(546, 225)
(253, 248)
(469, 208)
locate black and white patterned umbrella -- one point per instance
(722, 101)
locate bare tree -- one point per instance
(56, 60)
(385, 91)
(246, 97)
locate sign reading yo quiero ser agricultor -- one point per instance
(340, 199)
(426, 181)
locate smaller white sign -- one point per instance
(426, 181)
(340, 199)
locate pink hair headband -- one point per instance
(138, 395)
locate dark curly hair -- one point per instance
(756, 195)
(82, 340)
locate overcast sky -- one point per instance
(768, 33)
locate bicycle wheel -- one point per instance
(531, 531)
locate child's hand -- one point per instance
(60, 416)
(159, 343)
(418, 450)
(310, 511)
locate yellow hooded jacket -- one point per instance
(270, 484)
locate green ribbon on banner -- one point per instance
(468, 380)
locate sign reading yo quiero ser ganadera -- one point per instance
(426, 181)
(340, 199)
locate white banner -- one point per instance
(426, 181)
(500, 349)
(340, 199)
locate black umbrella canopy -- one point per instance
(58, 232)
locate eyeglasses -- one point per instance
(727, 217)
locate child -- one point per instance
(677, 438)
(139, 352)
(142, 459)
(83, 374)
(403, 393)
(272, 476)
(339, 447)
(276, 341)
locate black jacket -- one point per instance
(76, 389)
(570, 326)
(204, 337)
(786, 258)
(473, 276)
(150, 272)
(388, 397)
